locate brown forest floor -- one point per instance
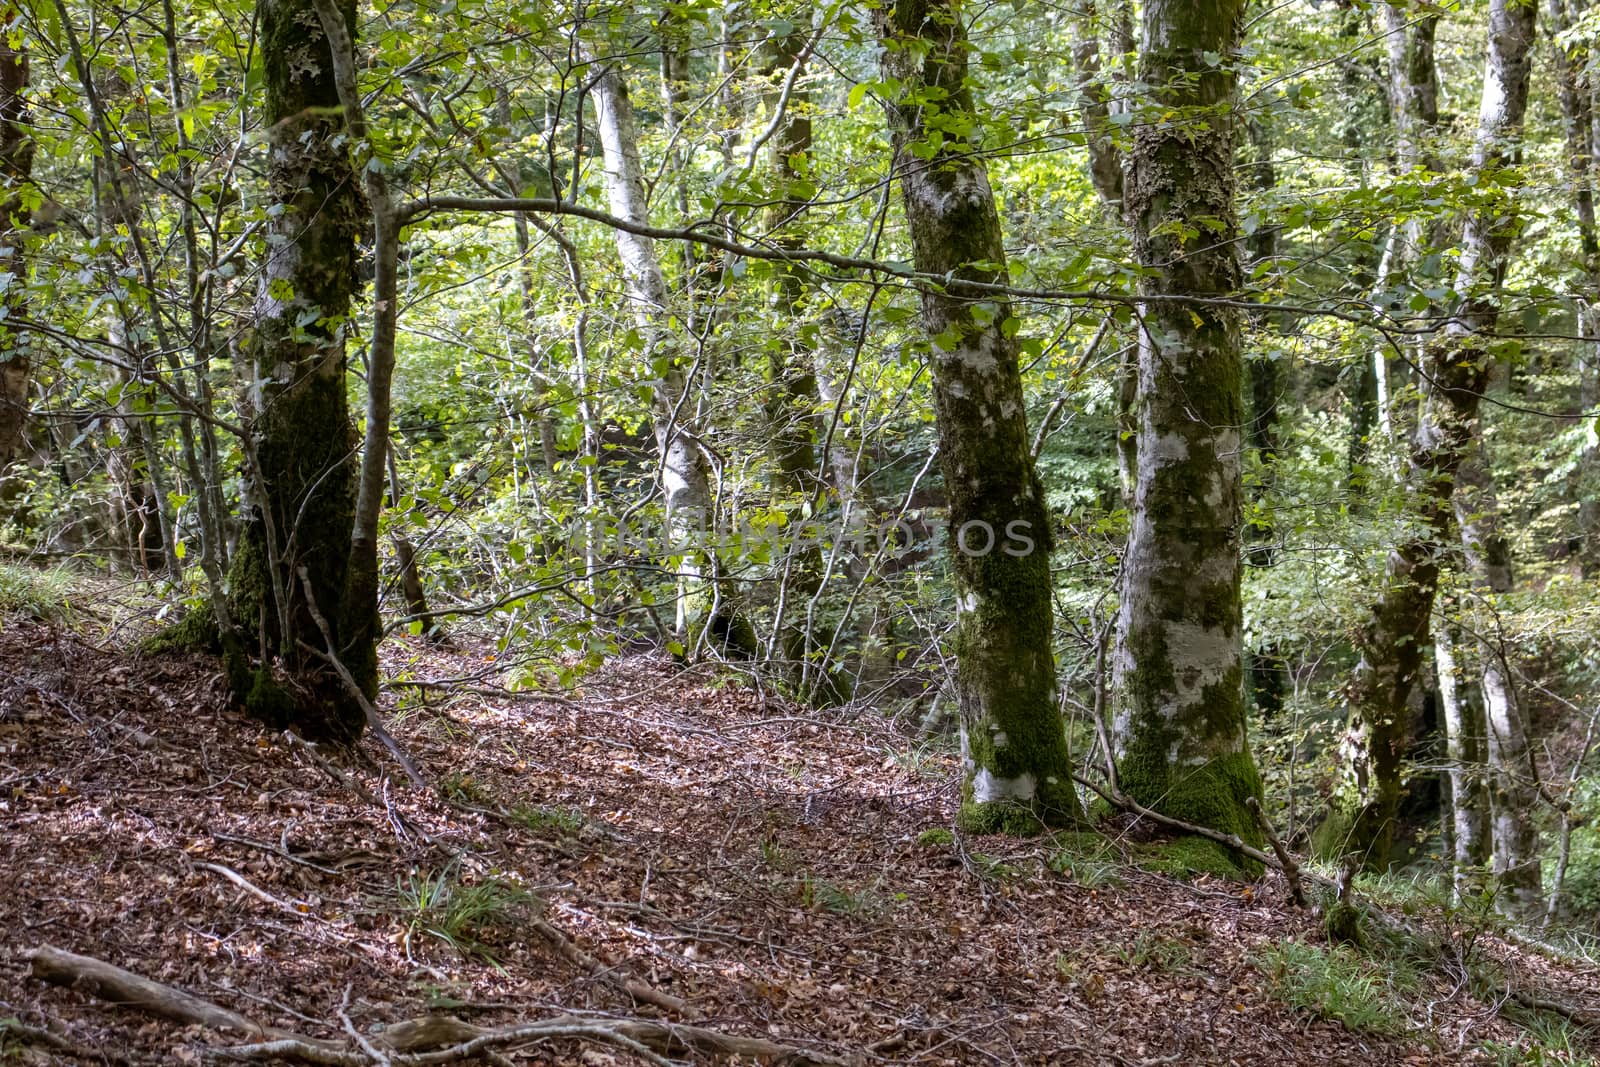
(759, 863)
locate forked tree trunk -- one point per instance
(302, 443)
(685, 471)
(1013, 746)
(1180, 733)
(1512, 791)
(16, 170)
(1455, 372)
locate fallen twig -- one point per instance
(1291, 869)
(250, 887)
(110, 983)
(649, 1038)
(1573, 1014)
(35, 1035)
(641, 992)
(1233, 841)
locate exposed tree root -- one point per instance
(423, 1042)
(16, 1030)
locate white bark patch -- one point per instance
(1200, 656)
(986, 788)
(1163, 450)
(980, 354)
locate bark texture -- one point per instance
(16, 170)
(1464, 729)
(302, 441)
(1013, 745)
(1455, 368)
(1179, 734)
(1268, 673)
(1105, 158)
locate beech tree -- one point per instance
(1455, 371)
(288, 580)
(1180, 735)
(1013, 747)
(705, 610)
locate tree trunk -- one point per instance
(1576, 92)
(1268, 672)
(1017, 768)
(1105, 158)
(685, 472)
(362, 628)
(1455, 372)
(302, 444)
(1180, 733)
(1464, 730)
(792, 400)
(16, 170)
(1107, 171)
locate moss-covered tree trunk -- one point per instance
(16, 169)
(302, 477)
(1392, 640)
(1013, 745)
(1180, 736)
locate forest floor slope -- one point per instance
(787, 876)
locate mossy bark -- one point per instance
(1179, 734)
(1018, 772)
(303, 444)
(1455, 372)
(16, 169)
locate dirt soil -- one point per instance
(769, 867)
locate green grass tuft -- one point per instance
(42, 595)
(546, 818)
(1338, 984)
(464, 916)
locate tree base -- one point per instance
(1188, 857)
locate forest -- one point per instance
(898, 531)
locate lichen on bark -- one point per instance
(1018, 770)
(1179, 733)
